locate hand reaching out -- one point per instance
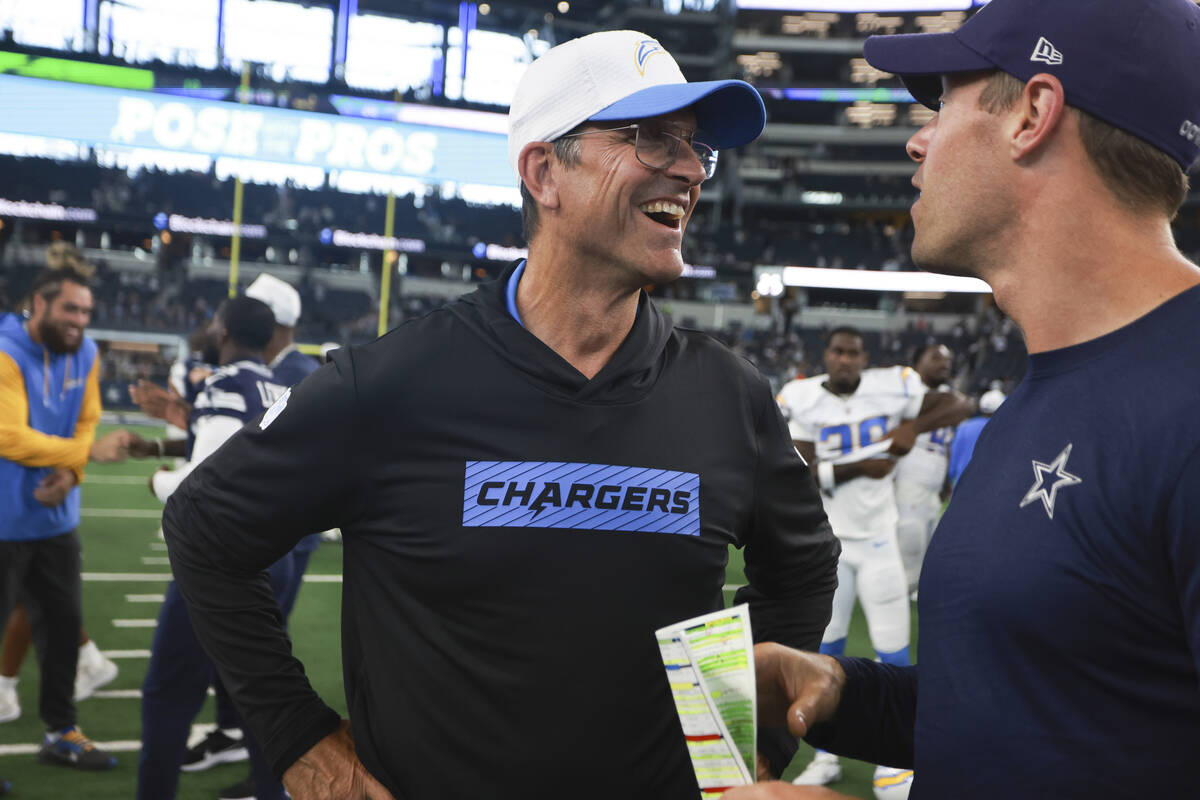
(111, 447)
(160, 403)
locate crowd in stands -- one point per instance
(734, 236)
(985, 349)
(299, 215)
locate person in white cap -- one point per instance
(289, 364)
(529, 482)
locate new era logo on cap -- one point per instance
(1134, 64)
(1190, 131)
(1046, 53)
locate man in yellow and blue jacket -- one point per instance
(49, 408)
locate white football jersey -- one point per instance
(838, 425)
(926, 464)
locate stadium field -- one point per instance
(125, 573)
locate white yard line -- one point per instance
(156, 561)
(122, 654)
(127, 694)
(134, 623)
(117, 694)
(124, 746)
(145, 598)
(133, 577)
(126, 513)
(311, 578)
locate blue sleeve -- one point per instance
(876, 717)
(961, 448)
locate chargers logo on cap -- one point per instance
(645, 49)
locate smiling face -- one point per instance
(60, 322)
(617, 212)
(964, 206)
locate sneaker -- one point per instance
(70, 748)
(5, 787)
(216, 748)
(242, 790)
(825, 768)
(94, 671)
(10, 706)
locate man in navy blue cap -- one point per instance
(529, 482)
(1060, 597)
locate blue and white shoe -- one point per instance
(70, 748)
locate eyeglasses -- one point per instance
(658, 148)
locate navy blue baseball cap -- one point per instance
(1133, 63)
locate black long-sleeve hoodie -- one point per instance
(513, 535)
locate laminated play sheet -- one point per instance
(710, 667)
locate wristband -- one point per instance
(825, 476)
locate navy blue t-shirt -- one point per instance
(293, 367)
(1060, 598)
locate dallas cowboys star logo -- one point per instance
(1056, 469)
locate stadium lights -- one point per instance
(772, 279)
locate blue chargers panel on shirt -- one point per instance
(558, 494)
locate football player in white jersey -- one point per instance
(921, 475)
(850, 425)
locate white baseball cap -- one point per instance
(619, 75)
(990, 401)
(279, 295)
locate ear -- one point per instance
(1038, 114)
(38, 306)
(536, 166)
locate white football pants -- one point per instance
(870, 569)
(919, 510)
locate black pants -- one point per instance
(45, 573)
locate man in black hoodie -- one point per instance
(529, 482)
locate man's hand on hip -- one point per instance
(796, 688)
(330, 770)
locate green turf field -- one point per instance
(120, 540)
